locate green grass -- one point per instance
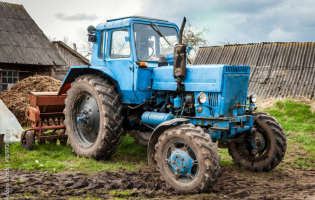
(48, 157)
(296, 118)
(298, 122)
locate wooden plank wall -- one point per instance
(70, 59)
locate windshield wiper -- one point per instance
(156, 29)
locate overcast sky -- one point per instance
(233, 21)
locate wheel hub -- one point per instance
(181, 162)
(88, 120)
(257, 143)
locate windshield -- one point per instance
(150, 45)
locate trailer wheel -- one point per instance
(93, 117)
(42, 141)
(187, 159)
(141, 138)
(270, 149)
(28, 141)
(63, 142)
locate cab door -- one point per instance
(119, 61)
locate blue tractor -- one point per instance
(139, 82)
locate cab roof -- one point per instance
(127, 21)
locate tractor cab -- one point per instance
(129, 48)
(134, 38)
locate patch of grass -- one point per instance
(19, 182)
(298, 122)
(226, 159)
(56, 158)
(123, 192)
(294, 116)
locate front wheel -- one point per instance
(187, 159)
(264, 148)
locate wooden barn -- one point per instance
(71, 57)
(24, 48)
(277, 69)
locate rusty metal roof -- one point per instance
(22, 41)
(277, 69)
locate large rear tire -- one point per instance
(273, 152)
(187, 159)
(93, 117)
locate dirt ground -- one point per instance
(233, 183)
(17, 98)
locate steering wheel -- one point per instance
(149, 47)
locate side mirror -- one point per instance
(91, 33)
(91, 29)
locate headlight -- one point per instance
(253, 98)
(202, 98)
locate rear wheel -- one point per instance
(187, 159)
(28, 142)
(264, 148)
(93, 117)
(141, 138)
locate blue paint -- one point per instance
(198, 78)
(170, 59)
(155, 118)
(181, 161)
(177, 102)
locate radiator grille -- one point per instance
(236, 69)
(214, 99)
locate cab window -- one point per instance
(101, 46)
(120, 44)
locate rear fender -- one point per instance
(76, 71)
(155, 136)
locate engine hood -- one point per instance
(198, 78)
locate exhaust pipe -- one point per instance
(179, 68)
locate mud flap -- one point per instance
(157, 132)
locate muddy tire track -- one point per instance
(232, 183)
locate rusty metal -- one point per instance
(46, 113)
(179, 68)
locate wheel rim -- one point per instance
(181, 161)
(253, 151)
(86, 118)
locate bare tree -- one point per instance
(86, 48)
(65, 39)
(51, 39)
(225, 43)
(196, 38)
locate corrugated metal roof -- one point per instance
(22, 41)
(277, 69)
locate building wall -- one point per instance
(19, 72)
(70, 59)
